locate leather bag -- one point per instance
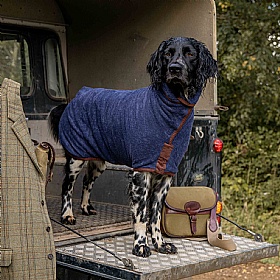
(190, 212)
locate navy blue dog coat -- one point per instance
(146, 129)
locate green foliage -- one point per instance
(14, 59)
(251, 183)
(249, 84)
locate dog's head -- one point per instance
(184, 64)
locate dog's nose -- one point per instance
(175, 67)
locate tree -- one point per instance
(249, 84)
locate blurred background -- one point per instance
(248, 44)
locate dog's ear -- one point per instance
(155, 66)
(207, 66)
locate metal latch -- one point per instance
(221, 108)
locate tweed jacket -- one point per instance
(27, 245)
(146, 129)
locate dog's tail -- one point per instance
(54, 118)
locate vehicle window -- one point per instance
(54, 72)
(14, 61)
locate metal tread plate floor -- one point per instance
(111, 228)
(109, 218)
(194, 257)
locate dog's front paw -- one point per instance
(88, 210)
(166, 248)
(68, 220)
(141, 251)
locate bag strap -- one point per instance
(192, 208)
(214, 237)
(213, 225)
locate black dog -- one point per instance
(147, 129)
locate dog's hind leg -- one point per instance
(94, 170)
(72, 170)
(138, 193)
(160, 187)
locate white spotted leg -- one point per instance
(72, 170)
(138, 193)
(94, 170)
(159, 190)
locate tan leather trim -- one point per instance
(219, 240)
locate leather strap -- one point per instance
(213, 225)
(45, 155)
(51, 158)
(192, 208)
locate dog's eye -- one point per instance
(168, 54)
(189, 54)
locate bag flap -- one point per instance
(177, 197)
